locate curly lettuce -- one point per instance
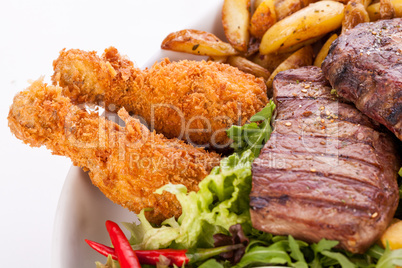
(222, 201)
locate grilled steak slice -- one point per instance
(326, 172)
(365, 66)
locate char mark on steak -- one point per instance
(365, 66)
(326, 172)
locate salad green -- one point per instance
(219, 204)
(253, 136)
(223, 201)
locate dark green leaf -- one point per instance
(316, 263)
(324, 244)
(253, 136)
(278, 238)
(375, 251)
(274, 254)
(340, 258)
(295, 250)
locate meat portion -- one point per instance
(365, 66)
(195, 101)
(326, 172)
(126, 163)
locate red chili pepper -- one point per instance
(176, 256)
(151, 257)
(125, 254)
(128, 258)
(102, 249)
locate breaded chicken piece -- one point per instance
(195, 101)
(127, 163)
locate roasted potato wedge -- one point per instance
(257, 3)
(365, 2)
(387, 10)
(220, 59)
(324, 50)
(197, 42)
(285, 8)
(297, 46)
(310, 22)
(235, 20)
(393, 235)
(375, 14)
(248, 66)
(263, 18)
(343, 1)
(355, 13)
(270, 61)
(302, 57)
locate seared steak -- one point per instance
(326, 172)
(365, 66)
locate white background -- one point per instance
(31, 35)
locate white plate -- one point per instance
(82, 208)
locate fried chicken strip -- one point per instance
(126, 163)
(195, 101)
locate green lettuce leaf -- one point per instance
(340, 258)
(222, 201)
(390, 258)
(253, 136)
(145, 236)
(296, 254)
(276, 253)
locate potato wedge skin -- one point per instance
(220, 59)
(297, 46)
(375, 14)
(248, 66)
(285, 8)
(263, 18)
(270, 61)
(235, 21)
(387, 10)
(312, 21)
(366, 3)
(257, 3)
(374, 11)
(300, 58)
(324, 50)
(197, 42)
(393, 235)
(355, 13)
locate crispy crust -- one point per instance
(127, 163)
(191, 100)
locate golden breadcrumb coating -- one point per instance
(195, 101)
(127, 163)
